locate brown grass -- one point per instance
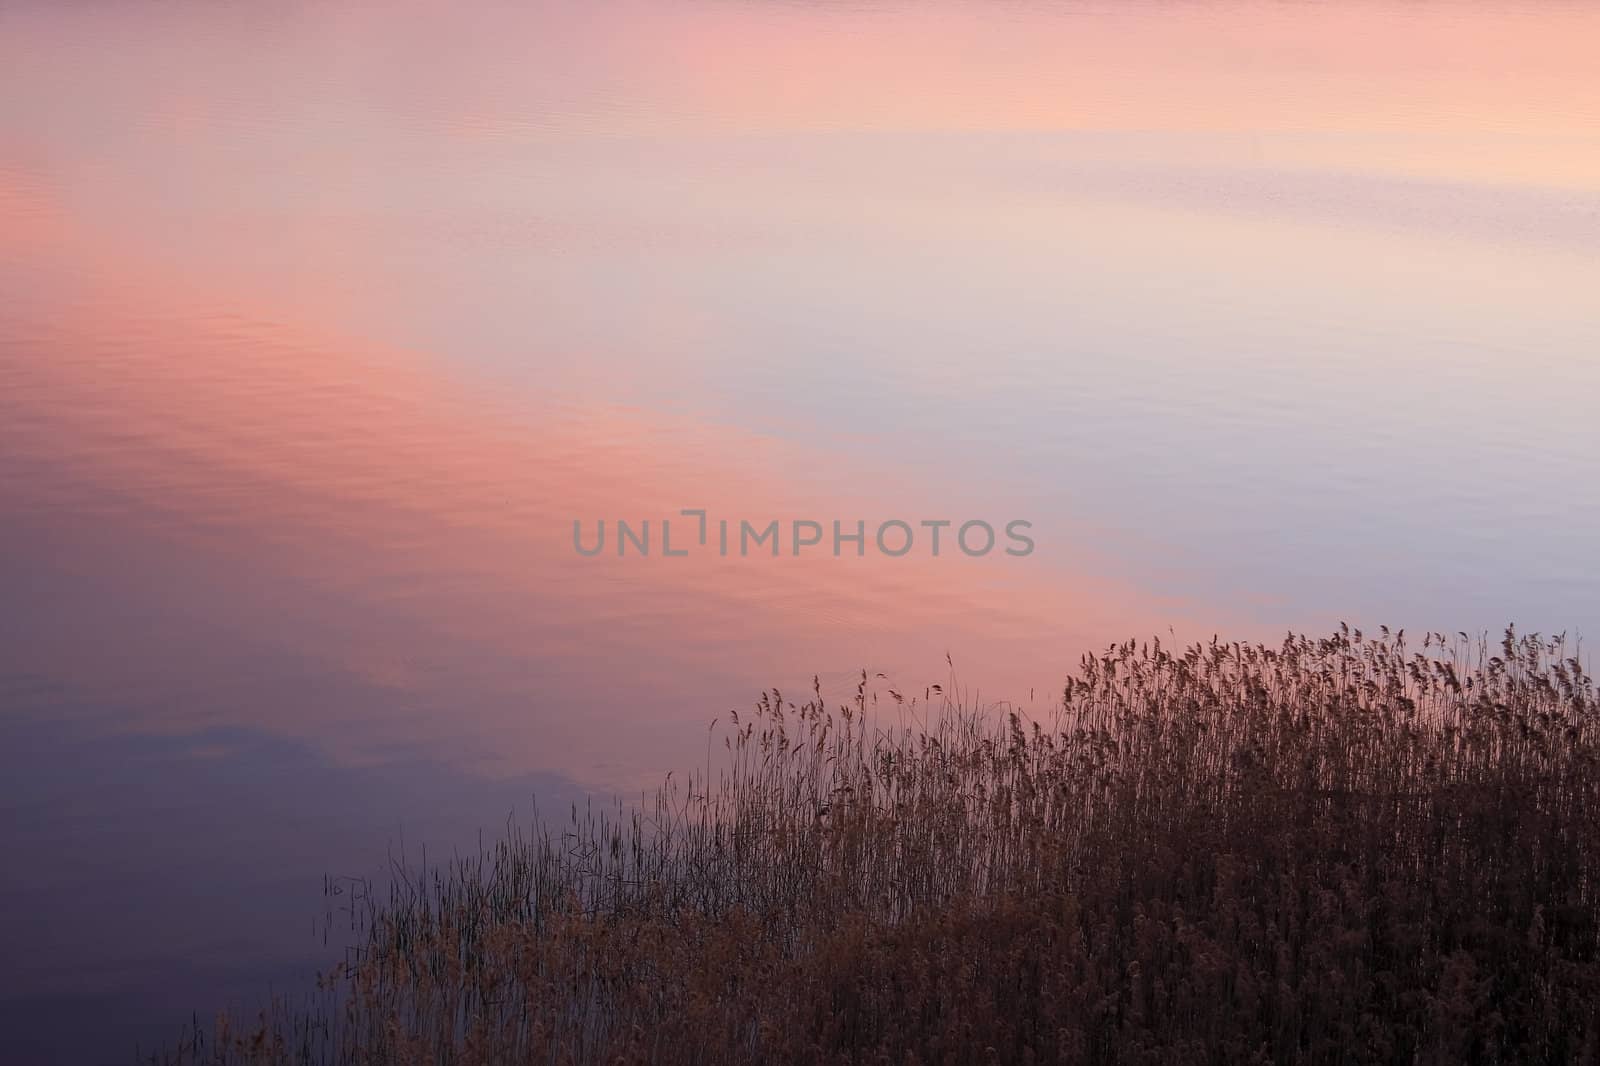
(1333, 851)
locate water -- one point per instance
(320, 324)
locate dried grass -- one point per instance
(1332, 851)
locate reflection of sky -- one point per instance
(1122, 264)
(320, 324)
(153, 875)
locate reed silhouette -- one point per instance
(1338, 850)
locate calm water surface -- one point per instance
(321, 323)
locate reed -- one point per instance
(1338, 850)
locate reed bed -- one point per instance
(1338, 850)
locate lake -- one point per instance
(321, 325)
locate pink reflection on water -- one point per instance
(349, 506)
